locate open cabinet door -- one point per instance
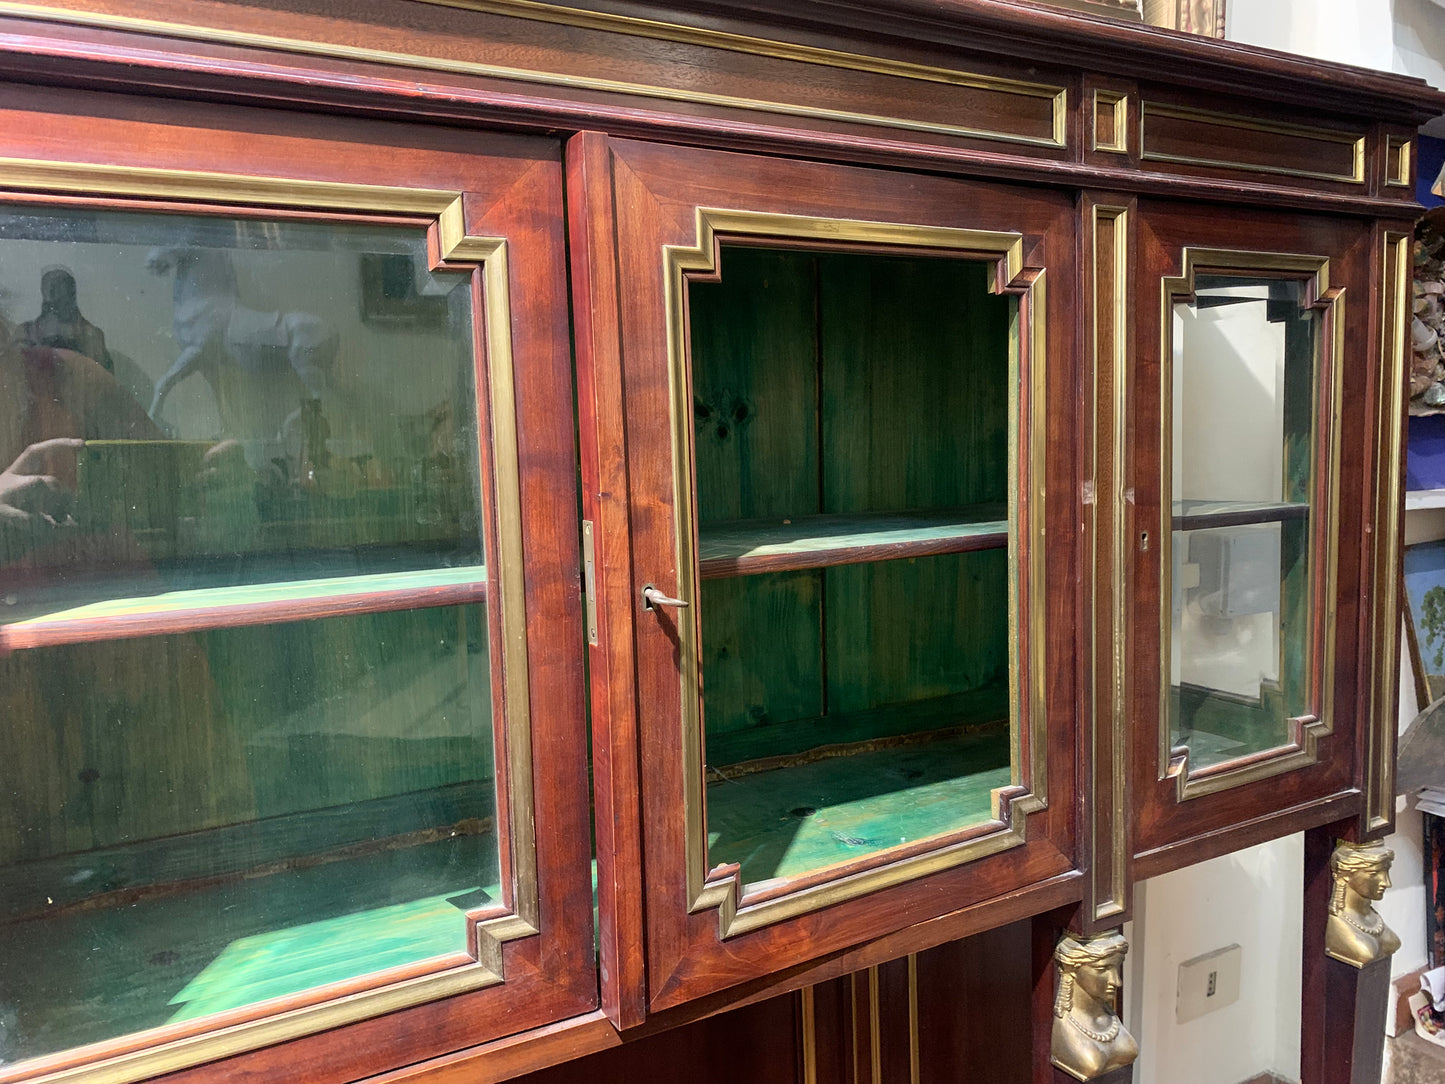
(829, 630)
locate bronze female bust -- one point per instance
(1089, 1039)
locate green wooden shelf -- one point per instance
(750, 547)
(226, 945)
(1199, 515)
(791, 821)
(231, 606)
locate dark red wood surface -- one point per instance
(188, 96)
(1166, 229)
(512, 189)
(655, 194)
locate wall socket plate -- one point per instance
(1207, 983)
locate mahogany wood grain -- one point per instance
(83, 55)
(1246, 832)
(760, 1044)
(615, 748)
(1233, 135)
(981, 30)
(154, 95)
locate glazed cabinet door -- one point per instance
(1262, 428)
(821, 411)
(290, 661)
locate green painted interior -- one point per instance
(212, 818)
(86, 975)
(133, 600)
(873, 389)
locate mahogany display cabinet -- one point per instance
(529, 526)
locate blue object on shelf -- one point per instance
(1425, 452)
(1431, 158)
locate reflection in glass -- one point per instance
(1243, 432)
(212, 819)
(851, 419)
(214, 428)
(259, 401)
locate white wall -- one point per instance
(1253, 899)
(1405, 36)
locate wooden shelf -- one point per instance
(238, 940)
(789, 822)
(750, 547)
(1199, 515)
(201, 609)
(1420, 499)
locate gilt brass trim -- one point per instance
(875, 1029)
(809, 1026)
(29, 175)
(1111, 900)
(1028, 725)
(20, 178)
(1324, 523)
(1399, 157)
(914, 1059)
(636, 27)
(1385, 639)
(1116, 104)
(1249, 124)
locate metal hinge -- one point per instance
(589, 580)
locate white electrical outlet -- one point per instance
(1207, 983)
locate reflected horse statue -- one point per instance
(214, 329)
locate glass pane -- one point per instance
(852, 426)
(258, 401)
(1243, 433)
(214, 423)
(212, 819)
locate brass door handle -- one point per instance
(653, 598)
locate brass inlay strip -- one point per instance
(1324, 524)
(809, 1025)
(1249, 124)
(1111, 226)
(1027, 365)
(1399, 157)
(1380, 768)
(875, 1046)
(19, 177)
(914, 1064)
(636, 27)
(85, 178)
(1116, 106)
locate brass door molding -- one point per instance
(22, 179)
(722, 889)
(1381, 718)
